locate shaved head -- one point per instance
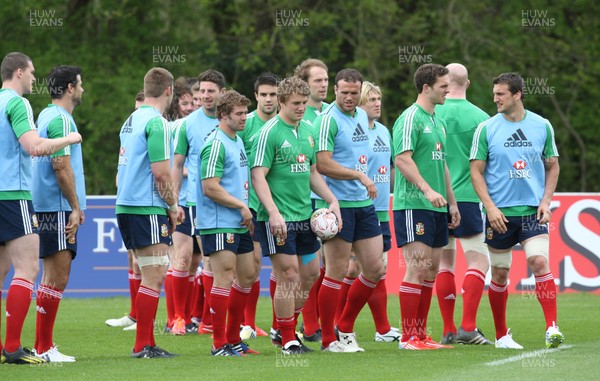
(458, 74)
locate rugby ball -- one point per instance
(324, 224)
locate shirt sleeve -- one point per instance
(20, 116)
(180, 141)
(264, 149)
(405, 135)
(212, 160)
(58, 128)
(479, 148)
(159, 142)
(550, 149)
(327, 129)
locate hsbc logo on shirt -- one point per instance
(438, 154)
(382, 177)
(520, 171)
(362, 164)
(302, 166)
(245, 191)
(301, 158)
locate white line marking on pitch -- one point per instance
(526, 355)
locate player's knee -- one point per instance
(500, 275)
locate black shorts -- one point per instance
(300, 239)
(471, 220)
(51, 228)
(421, 225)
(387, 235)
(139, 230)
(235, 242)
(518, 230)
(17, 219)
(188, 227)
(359, 223)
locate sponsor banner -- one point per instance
(100, 268)
(574, 250)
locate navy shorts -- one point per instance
(300, 239)
(139, 230)
(471, 220)
(387, 235)
(17, 219)
(518, 230)
(421, 225)
(188, 227)
(51, 228)
(235, 242)
(255, 237)
(359, 223)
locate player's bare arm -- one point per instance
(409, 170)
(330, 168)
(495, 216)
(452, 204)
(37, 146)
(161, 170)
(552, 169)
(212, 188)
(66, 182)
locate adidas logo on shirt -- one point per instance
(286, 144)
(518, 139)
(243, 159)
(380, 146)
(359, 134)
(427, 130)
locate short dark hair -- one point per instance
(156, 82)
(228, 100)
(266, 78)
(59, 79)
(213, 76)
(12, 62)
(513, 80)
(348, 75)
(140, 96)
(428, 74)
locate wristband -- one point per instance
(173, 208)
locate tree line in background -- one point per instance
(554, 47)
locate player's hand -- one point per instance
(370, 185)
(74, 138)
(82, 217)
(180, 215)
(454, 216)
(436, 199)
(247, 219)
(543, 214)
(278, 226)
(334, 207)
(497, 220)
(173, 219)
(73, 224)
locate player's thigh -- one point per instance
(56, 268)
(337, 253)
(24, 253)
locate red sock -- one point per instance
(297, 313)
(250, 310)
(180, 289)
(328, 297)
(272, 289)
(17, 306)
(410, 296)
(424, 304)
(199, 299)
(190, 299)
(47, 301)
(445, 289)
(358, 296)
(286, 329)
(472, 289)
(207, 281)
(134, 283)
(238, 298)
(378, 305)
(498, 295)
(168, 283)
(146, 304)
(310, 313)
(343, 297)
(219, 300)
(545, 290)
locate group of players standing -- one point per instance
(249, 178)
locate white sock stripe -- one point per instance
(285, 320)
(131, 276)
(366, 282)
(137, 276)
(428, 284)
(207, 273)
(330, 284)
(500, 288)
(298, 310)
(475, 273)
(219, 291)
(243, 290)
(410, 290)
(348, 280)
(149, 292)
(45, 290)
(273, 277)
(382, 277)
(257, 278)
(446, 271)
(544, 278)
(22, 283)
(180, 274)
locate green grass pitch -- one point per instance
(102, 352)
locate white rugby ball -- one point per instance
(324, 224)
